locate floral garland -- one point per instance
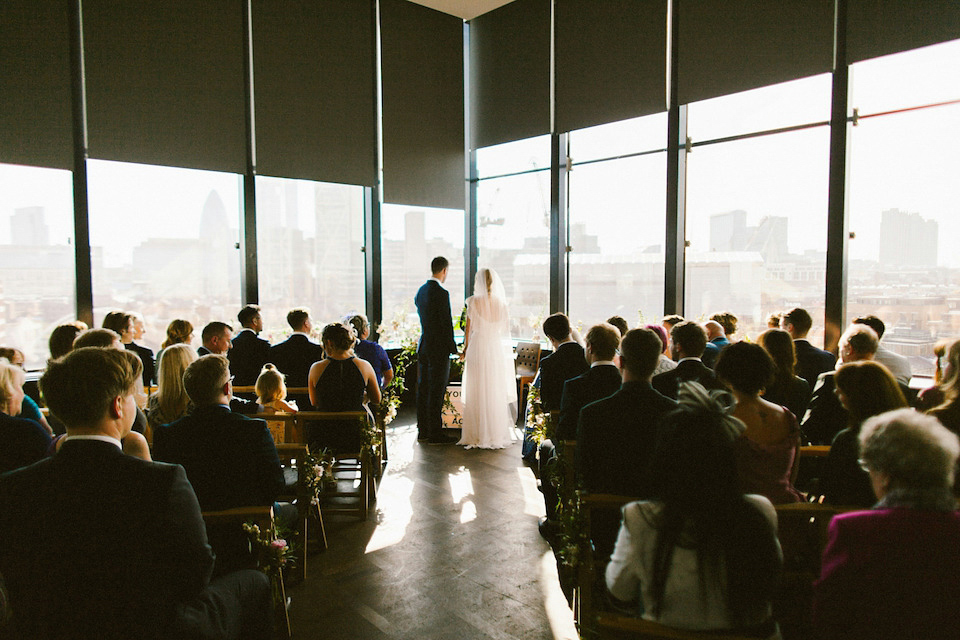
(403, 331)
(317, 474)
(539, 423)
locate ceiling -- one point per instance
(466, 9)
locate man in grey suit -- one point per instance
(117, 547)
(433, 353)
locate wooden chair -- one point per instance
(527, 362)
(356, 465)
(263, 518)
(296, 456)
(815, 451)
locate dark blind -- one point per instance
(611, 61)
(880, 27)
(423, 135)
(510, 73)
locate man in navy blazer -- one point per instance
(433, 353)
(689, 340)
(249, 351)
(811, 361)
(117, 547)
(295, 355)
(568, 360)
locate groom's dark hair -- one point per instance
(438, 264)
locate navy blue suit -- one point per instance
(248, 353)
(433, 356)
(811, 361)
(668, 382)
(294, 357)
(22, 442)
(568, 361)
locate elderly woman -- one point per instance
(701, 555)
(22, 441)
(891, 572)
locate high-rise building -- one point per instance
(907, 239)
(28, 228)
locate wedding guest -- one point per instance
(689, 340)
(700, 554)
(811, 361)
(620, 324)
(216, 337)
(171, 402)
(28, 408)
(728, 322)
(22, 441)
(767, 452)
(664, 362)
(945, 401)
(62, 337)
(865, 389)
(272, 398)
(568, 360)
(248, 351)
(773, 321)
(668, 323)
(109, 339)
(787, 389)
(898, 365)
(117, 546)
(716, 342)
(120, 322)
(179, 331)
(295, 355)
(339, 382)
(370, 351)
(946, 380)
(145, 353)
(891, 572)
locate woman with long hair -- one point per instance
(170, 402)
(865, 389)
(943, 400)
(787, 388)
(489, 382)
(702, 554)
(22, 441)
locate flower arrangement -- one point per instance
(272, 550)
(317, 473)
(539, 423)
(402, 330)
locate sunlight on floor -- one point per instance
(461, 491)
(554, 602)
(396, 493)
(532, 498)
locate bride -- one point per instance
(489, 382)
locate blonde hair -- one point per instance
(270, 385)
(178, 331)
(172, 398)
(11, 378)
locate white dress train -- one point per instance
(489, 391)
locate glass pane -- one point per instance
(412, 237)
(780, 105)
(309, 251)
(619, 138)
(37, 262)
(617, 218)
(903, 195)
(514, 240)
(757, 227)
(913, 78)
(512, 157)
(163, 243)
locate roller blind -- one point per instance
(314, 90)
(165, 82)
(423, 135)
(729, 46)
(880, 27)
(510, 73)
(611, 61)
(35, 116)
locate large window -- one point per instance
(903, 195)
(412, 237)
(617, 188)
(309, 251)
(164, 242)
(756, 214)
(37, 263)
(513, 213)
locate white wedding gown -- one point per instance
(489, 391)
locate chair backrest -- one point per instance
(815, 451)
(528, 358)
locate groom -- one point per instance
(433, 353)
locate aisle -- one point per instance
(451, 550)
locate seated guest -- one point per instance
(897, 364)
(28, 408)
(767, 452)
(947, 379)
(370, 351)
(118, 549)
(664, 362)
(568, 360)
(616, 436)
(718, 328)
(295, 355)
(811, 361)
(689, 340)
(786, 389)
(248, 352)
(701, 555)
(600, 380)
(171, 401)
(145, 353)
(179, 331)
(22, 441)
(62, 337)
(272, 398)
(109, 339)
(216, 337)
(125, 325)
(865, 389)
(620, 324)
(825, 416)
(339, 382)
(947, 410)
(891, 572)
(773, 322)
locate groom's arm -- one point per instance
(446, 321)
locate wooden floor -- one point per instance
(450, 550)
